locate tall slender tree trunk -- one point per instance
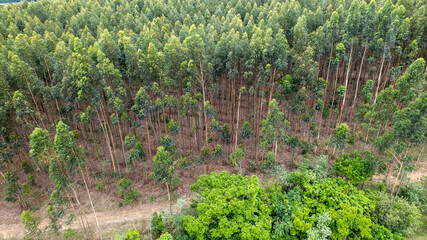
(333, 98)
(91, 204)
(358, 78)
(110, 132)
(148, 137)
(238, 118)
(104, 130)
(346, 85)
(123, 146)
(379, 77)
(397, 177)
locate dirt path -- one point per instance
(139, 212)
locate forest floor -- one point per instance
(114, 220)
(111, 222)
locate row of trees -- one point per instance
(159, 82)
(104, 78)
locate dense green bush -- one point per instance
(416, 193)
(318, 165)
(357, 168)
(30, 222)
(229, 207)
(165, 236)
(397, 214)
(126, 192)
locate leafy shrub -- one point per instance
(204, 154)
(318, 165)
(218, 151)
(30, 222)
(415, 193)
(70, 234)
(321, 231)
(225, 135)
(397, 214)
(246, 132)
(31, 180)
(357, 168)
(269, 162)
(165, 236)
(252, 166)
(126, 191)
(132, 235)
(173, 127)
(381, 233)
(237, 156)
(11, 187)
(168, 143)
(26, 167)
(99, 187)
(157, 226)
(349, 208)
(230, 207)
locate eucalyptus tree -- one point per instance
(352, 31)
(389, 32)
(65, 158)
(163, 168)
(142, 109)
(198, 61)
(242, 91)
(340, 137)
(274, 129)
(368, 22)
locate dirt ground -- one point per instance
(113, 218)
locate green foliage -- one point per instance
(340, 91)
(26, 167)
(415, 193)
(321, 231)
(410, 85)
(237, 156)
(70, 234)
(30, 222)
(40, 146)
(246, 132)
(157, 226)
(126, 192)
(66, 148)
(168, 143)
(163, 167)
(230, 207)
(173, 127)
(269, 162)
(218, 151)
(318, 165)
(130, 141)
(410, 123)
(341, 136)
(205, 154)
(349, 208)
(11, 187)
(99, 187)
(165, 236)
(137, 153)
(357, 168)
(215, 126)
(225, 135)
(132, 235)
(397, 214)
(274, 128)
(366, 91)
